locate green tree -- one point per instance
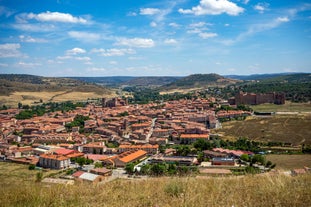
(202, 144)
(98, 165)
(244, 157)
(129, 168)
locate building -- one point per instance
(54, 161)
(223, 161)
(180, 160)
(150, 149)
(126, 157)
(191, 138)
(114, 102)
(255, 99)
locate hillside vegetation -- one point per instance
(294, 129)
(259, 190)
(200, 80)
(28, 89)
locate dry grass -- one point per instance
(266, 190)
(287, 107)
(179, 90)
(289, 162)
(54, 96)
(285, 128)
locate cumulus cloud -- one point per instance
(214, 7)
(84, 36)
(10, 50)
(56, 17)
(31, 39)
(75, 51)
(206, 35)
(30, 65)
(136, 42)
(170, 41)
(173, 24)
(149, 11)
(261, 7)
(153, 24)
(113, 52)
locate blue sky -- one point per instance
(154, 38)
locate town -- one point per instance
(113, 139)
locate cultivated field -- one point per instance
(264, 190)
(287, 107)
(57, 96)
(289, 162)
(293, 129)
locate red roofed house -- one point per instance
(191, 138)
(124, 158)
(54, 161)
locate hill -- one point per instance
(256, 190)
(111, 81)
(200, 81)
(28, 89)
(256, 76)
(151, 81)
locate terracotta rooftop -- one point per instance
(131, 155)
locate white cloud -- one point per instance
(261, 7)
(75, 51)
(245, 1)
(113, 52)
(30, 65)
(173, 24)
(206, 35)
(87, 59)
(56, 17)
(153, 24)
(170, 41)
(149, 11)
(4, 65)
(31, 39)
(282, 19)
(214, 7)
(198, 24)
(113, 62)
(132, 14)
(34, 27)
(258, 28)
(227, 25)
(136, 42)
(84, 36)
(10, 50)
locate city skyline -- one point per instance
(154, 38)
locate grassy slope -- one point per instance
(285, 128)
(287, 107)
(289, 162)
(29, 89)
(260, 190)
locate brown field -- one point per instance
(265, 190)
(53, 96)
(287, 107)
(289, 162)
(293, 129)
(180, 90)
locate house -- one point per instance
(181, 160)
(191, 138)
(150, 149)
(126, 157)
(94, 148)
(223, 161)
(211, 154)
(102, 171)
(54, 161)
(87, 177)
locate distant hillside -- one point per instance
(117, 81)
(151, 81)
(262, 76)
(28, 89)
(201, 81)
(106, 81)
